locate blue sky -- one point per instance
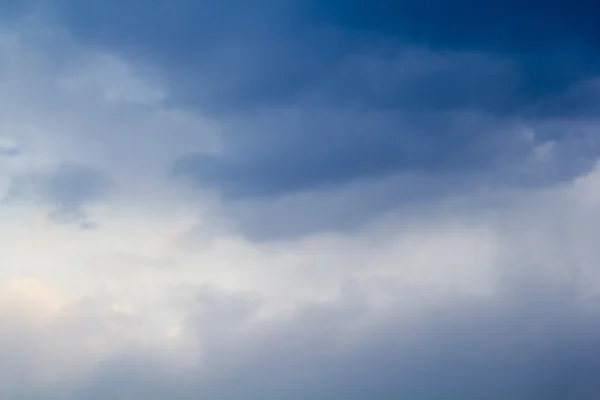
(299, 199)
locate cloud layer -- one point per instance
(297, 199)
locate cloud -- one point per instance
(66, 190)
(534, 334)
(496, 301)
(8, 148)
(283, 189)
(205, 40)
(477, 348)
(312, 97)
(374, 213)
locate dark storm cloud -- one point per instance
(66, 190)
(244, 54)
(318, 95)
(295, 151)
(553, 42)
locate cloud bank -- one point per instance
(298, 199)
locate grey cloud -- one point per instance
(537, 343)
(312, 97)
(66, 190)
(44, 358)
(534, 335)
(7, 151)
(429, 119)
(282, 187)
(255, 62)
(230, 56)
(346, 209)
(287, 151)
(8, 148)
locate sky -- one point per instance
(299, 199)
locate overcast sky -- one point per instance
(299, 199)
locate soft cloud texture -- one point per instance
(293, 201)
(66, 190)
